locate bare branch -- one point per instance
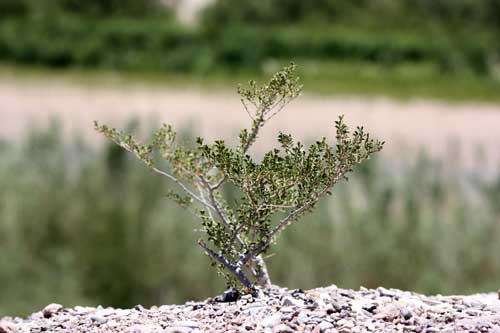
(184, 187)
(169, 176)
(233, 268)
(202, 195)
(214, 203)
(219, 183)
(220, 212)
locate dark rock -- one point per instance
(139, 308)
(51, 309)
(230, 295)
(405, 313)
(370, 307)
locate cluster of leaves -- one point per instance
(289, 180)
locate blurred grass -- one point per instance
(83, 225)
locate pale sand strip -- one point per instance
(433, 126)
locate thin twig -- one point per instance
(169, 176)
(246, 109)
(200, 189)
(184, 187)
(281, 107)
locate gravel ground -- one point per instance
(328, 309)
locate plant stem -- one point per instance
(262, 274)
(234, 269)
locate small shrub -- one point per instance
(288, 181)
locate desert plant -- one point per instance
(288, 181)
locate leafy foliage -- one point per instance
(288, 181)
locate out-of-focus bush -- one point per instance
(80, 225)
(117, 43)
(94, 8)
(404, 14)
(455, 36)
(156, 44)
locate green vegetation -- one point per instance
(288, 182)
(73, 219)
(398, 47)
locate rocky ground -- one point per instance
(281, 310)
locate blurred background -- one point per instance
(83, 223)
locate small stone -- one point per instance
(329, 309)
(98, 319)
(290, 301)
(7, 327)
(297, 291)
(51, 309)
(431, 330)
(405, 313)
(139, 308)
(273, 320)
(80, 310)
(325, 297)
(144, 329)
(178, 330)
(249, 326)
(344, 323)
(186, 323)
(389, 313)
(282, 328)
(120, 313)
(319, 303)
(287, 309)
(323, 326)
(109, 311)
(302, 318)
(482, 325)
(370, 307)
(253, 309)
(385, 292)
(472, 303)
